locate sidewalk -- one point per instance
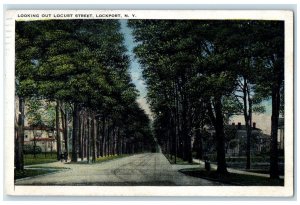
(232, 170)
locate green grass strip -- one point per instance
(233, 178)
(29, 159)
(111, 157)
(31, 172)
(179, 161)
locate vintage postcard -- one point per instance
(149, 103)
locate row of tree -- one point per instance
(81, 68)
(199, 73)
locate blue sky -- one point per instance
(135, 68)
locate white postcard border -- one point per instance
(11, 189)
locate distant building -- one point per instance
(236, 140)
(42, 136)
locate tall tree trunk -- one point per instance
(88, 139)
(108, 139)
(64, 119)
(94, 134)
(86, 134)
(247, 109)
(169, 137)
(189, 137)
(103, 137)
(84, 129)
(66, 132)
(218, 122)
(274, 173)
(176, 122)
(81, 138)
(248, 146)
(98, 137)
(75, 132)
(200, 148)
(119, 142)
(58, 140)
(19, 157)
(63, 125)
(113, 139)
(249, 130)
(278, 76)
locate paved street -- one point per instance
(141, 169)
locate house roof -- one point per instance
(44, 128)
(43, 139)
(242, 127)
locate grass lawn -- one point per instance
(179, 160)
(31, 172)
(111, 157)
(233, 178)
(243, 159)
(261, 171)
(29, 159)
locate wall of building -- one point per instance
(42, 139)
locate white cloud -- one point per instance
(145, 106)
(135, 75)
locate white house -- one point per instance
(42, 136)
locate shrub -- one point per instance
(29, 149)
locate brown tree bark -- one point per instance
(277, 80)
(88, 139)
(113, 135)
(247, 110)
(75, 132)
(19, 157)
(84, 136)
(220, 137)
(119, 141)
(218, 122)
(103, 138)
(81, 137)
(94, 134)
(108, 139)
(64, 119)
(98, 137)
(274, 173)
(57, 125)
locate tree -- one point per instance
(245, 98)
(206, 67)
(270, 45)
(26, 52)
(80, 68)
